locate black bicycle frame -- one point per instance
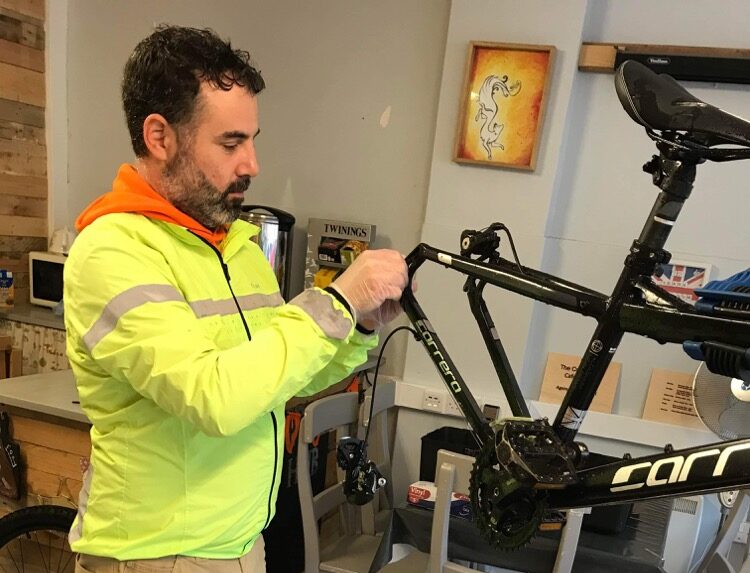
(724, 465)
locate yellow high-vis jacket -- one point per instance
(184, 357)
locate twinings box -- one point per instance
(332, 246)
(6, 289)
(424, 493)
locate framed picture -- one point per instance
(681, 278)
(502, 105)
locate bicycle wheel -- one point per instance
(35, 540)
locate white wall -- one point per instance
(334, 70)
(577, 214)
(603, 198)
(463, 196)
(466, 196)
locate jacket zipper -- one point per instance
(275, 465)
(225, 268)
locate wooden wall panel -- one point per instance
(21, 113)
(32, 8)
(20, 132)
(21, 29)
(23, 152)
(43, 433)
(23, 206)
(21, 84)
(16, 247)
(23, 226)
(22, 56)
(23, 185)
(23, 158)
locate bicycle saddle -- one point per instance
(658, 102)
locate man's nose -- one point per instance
(249, 163)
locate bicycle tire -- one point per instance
(47, 552)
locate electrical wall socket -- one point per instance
(451, 407)
(433, 400)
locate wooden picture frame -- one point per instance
(502, 104)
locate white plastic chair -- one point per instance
(354, 550)
(453, 474)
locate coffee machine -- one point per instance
(274, 239)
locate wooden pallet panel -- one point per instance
(21, 29)
(46, 484)
(22, 158)
(15, 247)
(24, 206)
(13, 131)
(21, 113)
(22, 186)
(15, 265)
(22, 147)
(31, 8)
(21, 84)
(57, 462)
(21, 56)
(55, 436)
(23, 226)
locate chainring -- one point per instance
(507, 511)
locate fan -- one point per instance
(723, 405)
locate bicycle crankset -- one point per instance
(509, 481)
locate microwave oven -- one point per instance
(46, 278)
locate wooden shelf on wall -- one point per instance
(600, 57)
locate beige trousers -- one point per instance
(254, 561)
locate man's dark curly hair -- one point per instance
(164, 73)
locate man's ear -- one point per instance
(159, 137)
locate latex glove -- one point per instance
(375, 276)
(387, 312)
(381, 316)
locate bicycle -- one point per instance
(36, 538)
(527, 470)
(527, 467)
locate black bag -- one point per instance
(10, 461)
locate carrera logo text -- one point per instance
(439, 359)
(680, 468)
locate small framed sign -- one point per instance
(670, 399)
(559, 374)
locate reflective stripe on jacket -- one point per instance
(188, 413)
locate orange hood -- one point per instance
(132, 194)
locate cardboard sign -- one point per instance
(670, 399)
(559, 374)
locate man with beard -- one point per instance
(183, 350)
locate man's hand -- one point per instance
(373, 284)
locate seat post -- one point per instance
(674, 173)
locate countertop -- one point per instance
(52, 393)
(33, 314)
(55, 393)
